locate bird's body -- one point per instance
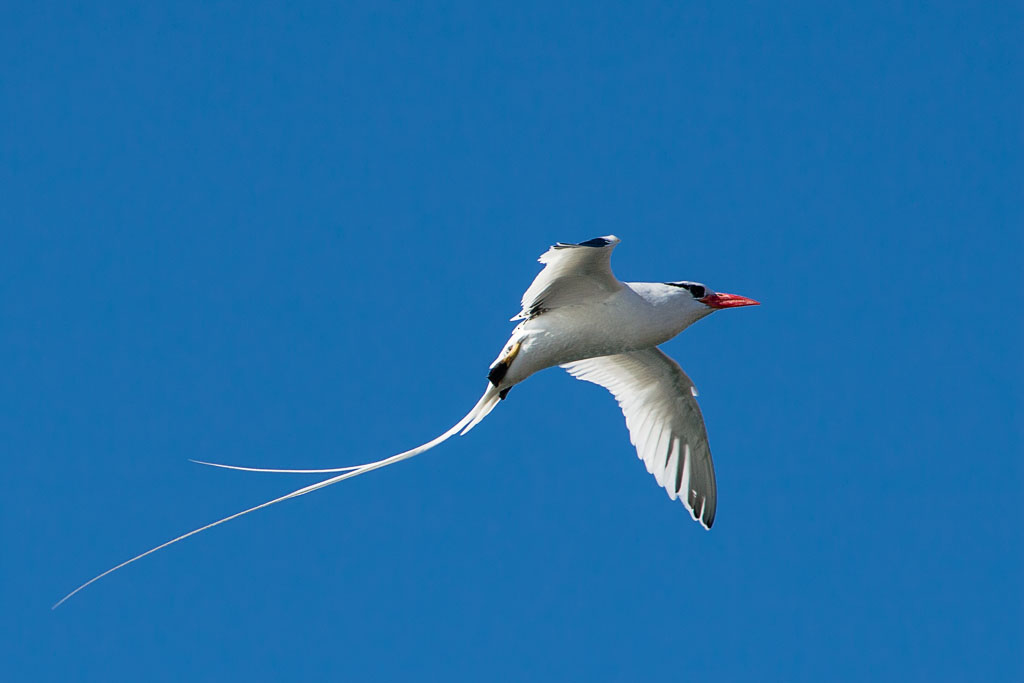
(638, 316)
(577, 315)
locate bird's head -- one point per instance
(703, 301)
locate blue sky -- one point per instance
(293, 236)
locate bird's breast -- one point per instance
(573, 333)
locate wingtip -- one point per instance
(596, 242)
(706, 518)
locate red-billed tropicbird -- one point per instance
(577, 315)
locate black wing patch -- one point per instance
(596, 242)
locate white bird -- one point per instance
(577, 315)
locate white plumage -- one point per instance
(664, 422)
(576, 314)
(573, 274)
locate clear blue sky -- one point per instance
(294, 237)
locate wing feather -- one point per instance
(572, 274)
(665, 424)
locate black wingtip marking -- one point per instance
(595, 242)
(504, 392)
(707, 518)
(709, 522)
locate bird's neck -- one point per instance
(674, 309)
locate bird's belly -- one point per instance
(571, 334)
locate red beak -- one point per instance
(728, 301)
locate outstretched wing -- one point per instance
(664, 422)
(573, 274)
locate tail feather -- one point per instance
(482, 409)
(484, 406)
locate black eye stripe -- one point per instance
(698, 291)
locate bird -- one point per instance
(577, 315)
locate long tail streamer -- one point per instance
(484, 406)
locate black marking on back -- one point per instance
(595, 242)
(536, 310)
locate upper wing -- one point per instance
(573, 274)
(664, 422)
